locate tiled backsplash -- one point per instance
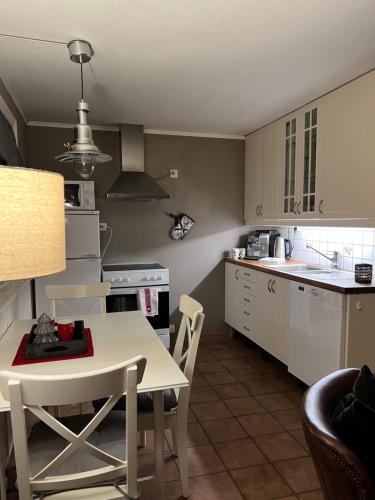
(353, 244)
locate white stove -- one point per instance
(126, 279)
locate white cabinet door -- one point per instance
(265, 312)
(231, 294)
(280, 321)
(252, 203)
(347, 150)
(269, 171)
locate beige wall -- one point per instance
(209, 188)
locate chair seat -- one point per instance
(45, 444)
(95, 493)
(144, 402)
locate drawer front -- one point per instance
(247, 300)
(248, 287)
(246, 316)
(245, 273)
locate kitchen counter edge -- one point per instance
(350, 289)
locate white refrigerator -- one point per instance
(82, 259)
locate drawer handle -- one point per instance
(246, 300)
(247, 287)
(236, 274)
(246, 328)
(247, 313)
(247, 274)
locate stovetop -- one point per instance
(133, 267)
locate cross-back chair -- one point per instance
(59, 294)
(80, 453)
(185, 353)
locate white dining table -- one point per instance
(116, 337)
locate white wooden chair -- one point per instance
(48, 462)
(58, 294)
(184, 354)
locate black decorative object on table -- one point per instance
(70, 347)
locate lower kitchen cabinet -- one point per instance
(257, 305)
(314, 331)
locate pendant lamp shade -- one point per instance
(32, 223)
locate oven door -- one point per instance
(125, 299)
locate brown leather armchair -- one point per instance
(342, 475)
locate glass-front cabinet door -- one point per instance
(300, 143)
(290, 148)
(310, 135)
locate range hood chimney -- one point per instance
(133, 183)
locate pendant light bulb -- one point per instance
(82, 153)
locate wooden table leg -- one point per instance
(3, 454)
(158, 400)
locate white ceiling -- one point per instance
(217, 66)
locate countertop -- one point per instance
(345, 284)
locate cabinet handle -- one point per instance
(257, 210)
(247, 274)
(246, 300)
(261, 210)
(294, 208)
(246, 328)
(247, 313)
(321, 207)
(269, 285)
(298, 207)
(272, 286)
(247, 287)
(236, 274)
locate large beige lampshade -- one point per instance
(32, 223)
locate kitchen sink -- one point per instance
(291, 268)
(315, 272)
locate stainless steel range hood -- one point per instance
(133, 183)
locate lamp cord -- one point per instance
(81, 81)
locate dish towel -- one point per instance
(148, 301)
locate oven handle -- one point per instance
(133, 291)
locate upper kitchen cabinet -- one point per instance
(346, 150)
(299, 157)
(262, 174)
(252, 180)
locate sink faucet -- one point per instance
(332, 255)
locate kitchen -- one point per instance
(236, 155)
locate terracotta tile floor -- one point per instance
(245, 435)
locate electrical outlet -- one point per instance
(103, 226)
(172, 328)
(173, 173)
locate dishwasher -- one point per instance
(317, 332)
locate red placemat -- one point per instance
(19, 358)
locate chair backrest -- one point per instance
(186, 348)
(34, 391)
(342, 474)
(58, 294)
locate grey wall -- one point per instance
(21, 125)
(209, 188)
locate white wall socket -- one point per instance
(173, 173)
(103, 226)
(172, 328)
